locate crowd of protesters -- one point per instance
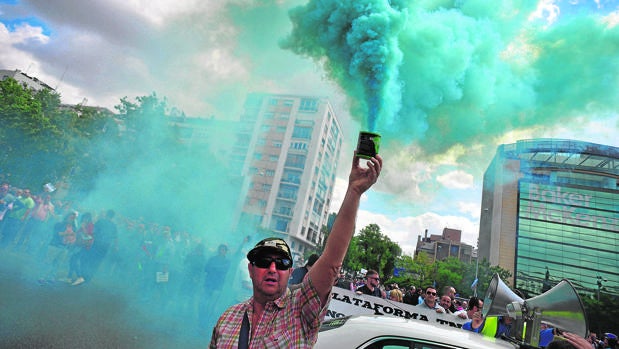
(446, 301)
(68, 245)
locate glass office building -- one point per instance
(550, 210)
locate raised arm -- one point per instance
(327, 267)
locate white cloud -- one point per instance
(547, 10)
(456, 180)
(470, 208)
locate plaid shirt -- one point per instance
(291, 321)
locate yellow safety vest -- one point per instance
(491, 324)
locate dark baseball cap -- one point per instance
(270, 245)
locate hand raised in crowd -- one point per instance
(477, 320)
(361, 178)
(577, 341)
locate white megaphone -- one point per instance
(559, 307)
(498, 296)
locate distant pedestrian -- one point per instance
(299, 273)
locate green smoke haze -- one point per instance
(441, 73)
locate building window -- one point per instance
(298, 145)
(295, 160)
(292, 176)
(288, 192)
(309, 104)
(281, 224)
(302, 132)
(285, 210)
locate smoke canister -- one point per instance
(368, 144)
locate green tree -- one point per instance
(371, 249)
(601, 314)
(425, 269)
(485, 272)
(406, 276)
(30, 138)
(450, 272)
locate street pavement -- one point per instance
(91, 315)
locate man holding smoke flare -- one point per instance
(276, 317)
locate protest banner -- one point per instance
(345, 302)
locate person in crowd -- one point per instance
(592, 338)
(63, 236)
(215, 272)
(79, 256)
(39, 224)
(371, 286)
(164, 263)
(429, 301)
(396, 294)
(446, 302)
(192, 277)
(474, 305)
(6, 204)
(105, 234)
(344, 282)
(299, 273)
(569, 340)
(491, 326)
(610, 341)
(409, 296)
(17, 216)
(546, 335)
(419, 293)
(450, 291)
(276, 316)
(6, 201)
(242, 280)
(24, 215)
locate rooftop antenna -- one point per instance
(61, 78)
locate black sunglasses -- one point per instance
(265, 262)
(431, 293)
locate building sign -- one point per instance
(345, 302)
(565, 206)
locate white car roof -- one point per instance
(362, 330)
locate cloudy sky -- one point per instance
(444, 82)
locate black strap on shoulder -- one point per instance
(244, 335)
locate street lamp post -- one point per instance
(599, 282)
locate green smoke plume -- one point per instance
(359, 41)
(442, 73)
